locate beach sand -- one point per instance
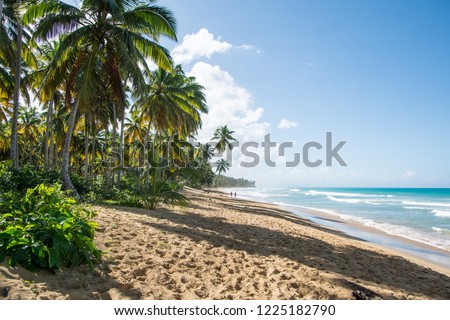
(226, 248)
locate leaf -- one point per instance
(54, 259)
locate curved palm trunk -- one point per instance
(17, 72)
(47, 134)
(65, 177)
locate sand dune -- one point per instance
(225, 248)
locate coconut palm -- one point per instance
(173, 102)
(204, 153)
(172, 106)
(15, 54)
(107, 43)
(224, 137)
(222, 166)
(29, 129)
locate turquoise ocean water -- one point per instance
(421, 215)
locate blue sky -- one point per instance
(375, 73)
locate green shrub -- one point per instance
(25, 178)
(46, 229)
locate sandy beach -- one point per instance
(226, 248)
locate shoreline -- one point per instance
(403, 246)
(416, 251)
(222, 248)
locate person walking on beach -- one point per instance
(235, 194)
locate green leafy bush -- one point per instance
(30, 177)
(46, 229)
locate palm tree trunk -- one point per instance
(144, 158)
(86, 148)
(30, 155)
(53, 152)
(114, 137)
(121, 160)
(93, 157)
(1, 10)
(47, 134)
(17, 73)
(148, 166)
(65, 177)
(106, 157)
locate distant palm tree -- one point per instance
(224, 137)
(106, 42)
(222, 166)
(28, 127)
(204, 152)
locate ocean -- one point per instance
(421, 215)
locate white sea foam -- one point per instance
(346, 200)
(350, 200)
(441, 230)
(294, 190)
(391, 229)
(345, 194)
(262, 195)
(416, 208)
(327, 211)
(441, 213)
(430, 204)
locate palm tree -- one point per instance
(224, 137)
(107, 42)
(204, 153)
(28, 126)
(134, 133)
(17, 79)
(14, 53)
(172, 105)
(222, 166)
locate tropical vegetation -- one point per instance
(92, 104)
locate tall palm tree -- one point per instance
(222, 166)
(224, 137)
(173, 102)
(17, 79)
(172, 105)
(107, 42)
(14, 52)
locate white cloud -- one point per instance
(248, 47)
(287, 124)
(203, 44)
(229, 104)
(409, 174)
(310, 64)
(197, 45)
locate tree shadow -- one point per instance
(78, 283)
(347, 261)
